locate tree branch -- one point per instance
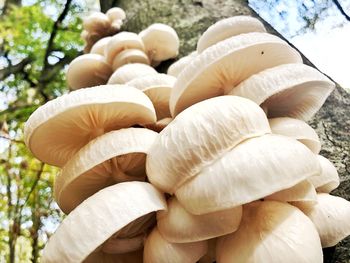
(12, 140)
(340, 8)
(4, 73)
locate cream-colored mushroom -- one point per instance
(255, 168)
(116, 15)
(96, 22)
(331, 217)
(58, 129)
(298, 130)
(210, 256)
(86, 229)
(218, 69)
(114, 157)
(158, 88)
(179, 226)
(87, 71)
(176, 68)
(159, 250)
(129, 56)
(100, 46)
(159, 125)
(271, 232)
(228, 27)
(292, 90)
(100, 257)
(129, 72)
(201, 134)
(161, 42)
(328, 179)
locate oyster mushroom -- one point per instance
(176, 68)
(271, 232)
(96, 22)
(298, 130)
(58, 129)
(292, 90)
(159, 125)
(159, 250)
(129, 56)
(100, 257)
(179, 226)
(158, 88)
(129, 72)
(100, 46)
(79, 235)
(113, 157)
(194, 139)
(218, 69)
(87, 71)
(116, 15)
(226, 28)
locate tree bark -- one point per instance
(192, 17)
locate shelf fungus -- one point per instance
(129, 72)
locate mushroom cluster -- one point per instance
(234, 174)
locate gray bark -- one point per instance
(191, 17)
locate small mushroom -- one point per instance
(328, 179)
(113, 157)
(292, 90)
(100, 46)
(228, 27)
(129, 56)
(159, 250)
(201, 134)
(331, 217)
(87, 71)
(116, 15)
(96, 22)
(218, 69)
(161, 42)
(271, 232)
(109, 211)
(158, 88)
(298, 130)
(58, 129)
(255, 168)
(129, 72)
(179, 226)
(176, 68)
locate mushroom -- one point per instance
(331, 217)
(100, 46)
(116, 16)
(159, 125)
(129, 72)
(218, 69)
(129, 56)
(201, 134)
(298, 130)
(122, 41)
(328, 179)
(86, 229)
(58, 129)
(159, 250)
(87, 71)
(226, 28)
(271, 232)
(96, 22)
(113, 157)
(158, 88)
(255, 168)
(210, 256)
(177, 225)
(100, 257)
(161, 42)
(176, 68)
(292, 90)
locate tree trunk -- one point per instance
(192, 17)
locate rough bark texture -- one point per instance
(191, 17)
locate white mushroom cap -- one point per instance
(292, 90)
(201, 134)
(87, 71)
(298, 130)
(96, 22)
(221, 67)
(228, 27)
(130, 56)
(271, 232)
(161, 42)
(121, 41)
(328, 179)
(99, 217)
(255, 168)
(115, 13)
(159, 250)
(113, 157)
(158, 88)
(179, 226)
(58, 129)
(331, 217)
(176, 68)
(129, 72)
(99, 46)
